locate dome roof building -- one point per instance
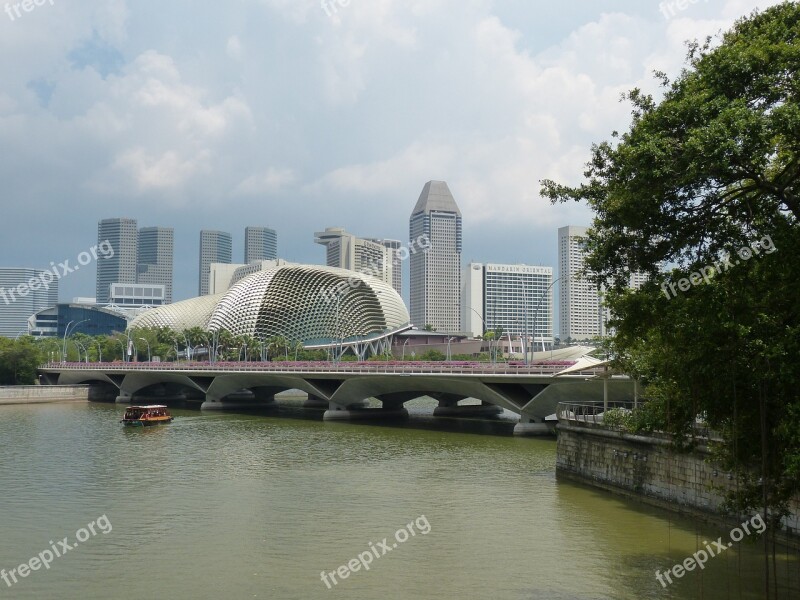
(318, 306)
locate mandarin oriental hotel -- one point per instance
(516, 299)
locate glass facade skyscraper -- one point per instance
(435, 282)
(260, 243)
(215, 247)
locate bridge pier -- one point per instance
(449, 408)
(361, 413)
(529, 427)
(241, 400)
(123, 398)
(315, 402)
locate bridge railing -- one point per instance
(588, 413)
(389, 367)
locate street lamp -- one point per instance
(80, 347)
(121, 345)
(404, 348)
(449, 354)
(536, 310)
(99, 351)
(485, 330)
(188, 348)
(149, 357)
(66, 333)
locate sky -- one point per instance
(306, 114)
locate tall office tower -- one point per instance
(346, 251)
(216, 247)
(24, 292)
(435, 281)
(123, 237)
(517, 299)
(260, 243)
(581, 315)
(156, 249)
(395, 259)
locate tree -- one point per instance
(710, 171)
(19, 360)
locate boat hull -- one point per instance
(145, 422)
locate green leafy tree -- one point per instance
(19, 360)
(711, 170)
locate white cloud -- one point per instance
(269, 181)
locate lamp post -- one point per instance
(80, 347)
(536, 310)
(188, 348)
(336, 355)
(449, 354)
(403, 357)
(149, 356)
(66, 333)
(123, 348)
(99, 351)
(485, 330)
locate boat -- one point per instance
(145, 416)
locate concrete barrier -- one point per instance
(42, 394)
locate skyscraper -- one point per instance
(24, 292)
(435, 281)
(121, 267)
(260, 243)
(581, 316)
(156, 249)
(395, 260)
(346, 251)
(215, 246)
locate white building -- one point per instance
(513, 299)
(580, 311)
(346, 251)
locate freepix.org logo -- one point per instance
(57, 272)
(17, 9)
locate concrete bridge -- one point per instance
(533, 392)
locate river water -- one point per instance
(257, 506)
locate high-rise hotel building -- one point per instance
(514, 299)
(435, 281)
(581, 317)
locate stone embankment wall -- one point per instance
(648, 468)
(33, 394)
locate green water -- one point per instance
(238, 506)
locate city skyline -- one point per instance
(540, 98)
